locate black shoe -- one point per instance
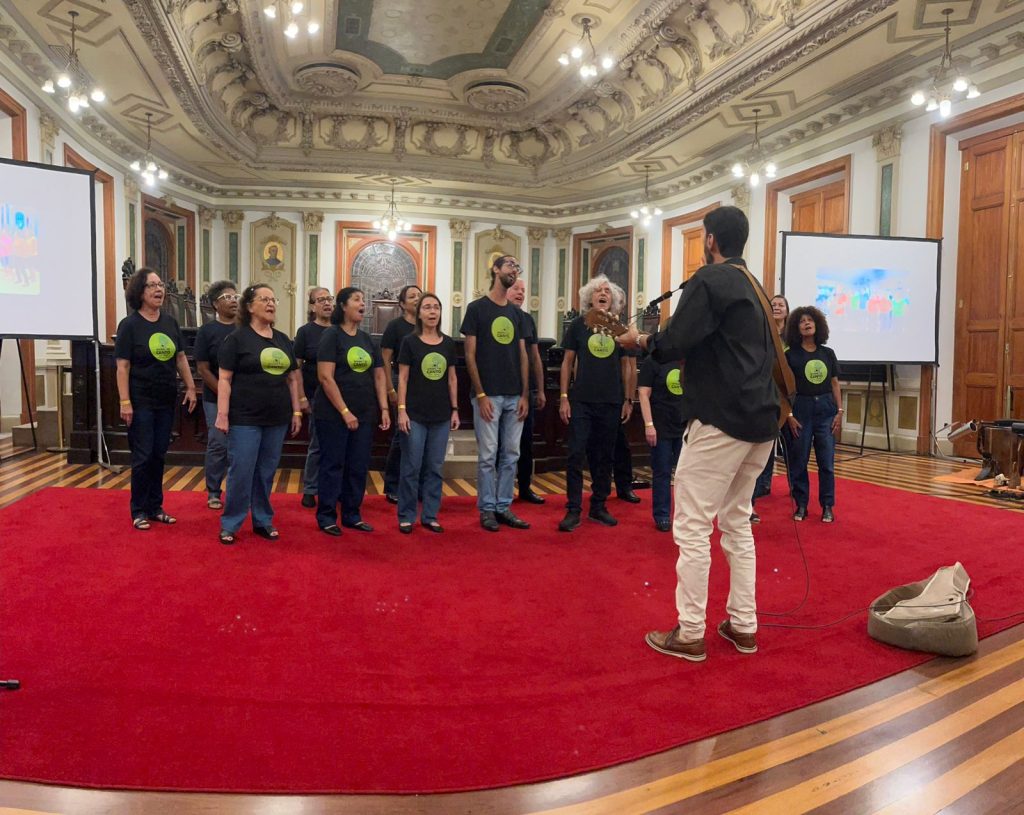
(663, 526)
(602, 516)
(509, 519)
(755, 518)
(800, 514)
(391, 498)
(488, 521)
(308, 501)
(331, 530)
(629, 497)
(405, 528)
(640, 484)
(362, 526)
(530, 497)
(827, 516)
(569, 522)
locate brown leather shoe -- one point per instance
(668, 642)
(745, 643)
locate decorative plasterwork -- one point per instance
(887, 142)
(313, 222)
(233, 218)
(459, 228)
(206, 217)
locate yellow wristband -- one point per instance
(126, 401)
(563, 396)
(344, 411)
(303, 399)
(296, 413)
(648, 424)
(481, 395)
(401, 407)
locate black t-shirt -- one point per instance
(530, 335)
(396, 331)
(666, 384)
(720, 329)
(426, 395)
(259, 382)
(151, 348)
(498, 330)
(598, 365)
(814, 370)
(354, 359)
(307, 342)
(208, 340)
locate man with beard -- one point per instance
(498, 367)
(593, 407)
(721, 330)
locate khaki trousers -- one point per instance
(715, 477)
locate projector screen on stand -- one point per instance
(880, 295)
(47, 252)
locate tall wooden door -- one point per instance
(693, 251)
(822, 209)
(988, 356)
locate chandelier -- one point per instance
(939, 97)
(294, 12)
(756, 165)
(72, 81)
(391, 222)
(147, 168)
(588, 65)
(647, 211)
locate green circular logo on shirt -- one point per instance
(601, 345)
(502, 330)
(433, 366)
(816, 371)
(358, 359)
(672, 382)
(161, 346)
(274, 361)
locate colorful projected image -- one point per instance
(876, 300)
(19, 251)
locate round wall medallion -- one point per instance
(535, 303)
(327, 79)
(493, 96)
(457, 299)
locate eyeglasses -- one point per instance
(513, 264)
(325, 299)
(156, 285)
(268, 300)
(231, 298)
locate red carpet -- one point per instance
(397, 663)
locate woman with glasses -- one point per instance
(428, 407)
(319, 308)
(258, 394)
(209, 337)
(353, 392)
(148, 352)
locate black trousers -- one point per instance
(591, 437)
(622, 462)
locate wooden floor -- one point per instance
(946, 737)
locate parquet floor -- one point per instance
(945, 737)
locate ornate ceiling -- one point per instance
(465, 101)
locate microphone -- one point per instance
(663, 297)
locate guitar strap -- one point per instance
(780, 355)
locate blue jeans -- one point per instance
(664, 456)
(311, 472)
(216, 451)
(495, 484)
(149, 436)
(344, 463)
(253, 455)
(423, 451)
(815, 414)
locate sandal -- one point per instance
(268, 532)
(225, 537)
(163, 518)
(405, 528)
(213, 502)
(142, 524)
(433, 526)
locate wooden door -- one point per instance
(693, 251)
(982, 276)
(822, 209)
(1015, 287)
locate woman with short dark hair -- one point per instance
(148, 349)
(817, 415)
(257, 400)
(352, 392)
(428, 407)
